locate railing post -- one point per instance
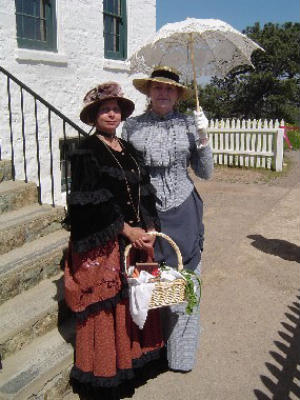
(279, 149)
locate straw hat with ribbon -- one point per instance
(163, 74)
(105, 91)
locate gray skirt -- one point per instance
(181, 331)
(184, 225)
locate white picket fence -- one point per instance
(251, 143)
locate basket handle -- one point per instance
(168, 239)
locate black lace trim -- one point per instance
(99, 238)
(108, 304)
(93, 197)
(88, 378)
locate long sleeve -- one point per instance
(201, 160)
(94, 216)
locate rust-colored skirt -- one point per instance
(109, 345)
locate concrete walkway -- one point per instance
(250, 343)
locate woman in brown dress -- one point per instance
(111, 204)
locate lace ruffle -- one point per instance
(89, 378)
(93, 197)
(107, 304)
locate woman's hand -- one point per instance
(134, 235)
(138, 237)
(145, 242)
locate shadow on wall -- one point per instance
(277, 247)
(284, 367)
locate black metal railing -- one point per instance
(45, 111)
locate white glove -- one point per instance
(201, 124)
(200, 120)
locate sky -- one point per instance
(238, 13)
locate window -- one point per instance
(66, 147)
(115, 29)
(36, 24)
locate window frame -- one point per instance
(122, 53)
(50, 44)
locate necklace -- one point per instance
(136, 208)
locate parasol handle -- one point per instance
(194, 71)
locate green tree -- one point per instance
(271, 90)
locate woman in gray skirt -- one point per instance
(170, 143)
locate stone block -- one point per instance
(17, 194)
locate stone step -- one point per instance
(41, 369)
(27, 224)
(24, 267)
(5, 170)
(32, 314)
(17, 194)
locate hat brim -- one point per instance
(142, 85)
(89, 112)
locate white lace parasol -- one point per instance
(218, 48)
(195, 47)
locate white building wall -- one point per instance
(64, 77)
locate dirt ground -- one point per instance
(287, 178)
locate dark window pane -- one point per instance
(29, 27)
(19, 5)
(117, 43)
(117, 7)
(109, 42)
(105, 5)
(117, 37)
(40, 30)
(112, 6)
(108, 24)
(20, 26)
(31, 7)
(108, 6)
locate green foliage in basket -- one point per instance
(191, 296)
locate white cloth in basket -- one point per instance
(170, 274)
(140, 292)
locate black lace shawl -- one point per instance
(98, 202)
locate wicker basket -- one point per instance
(165, 293)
